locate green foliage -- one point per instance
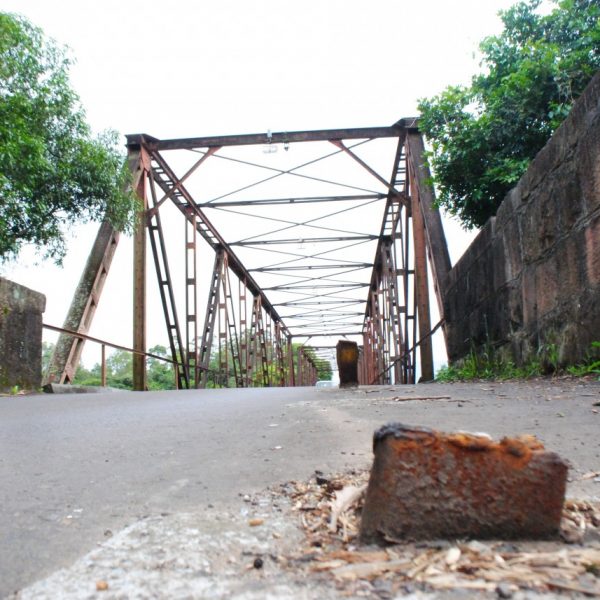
(590, 366)
(160, 373)
(119, 370)
(91, 376)
(53, 172)
(484, 136)
(488, 364)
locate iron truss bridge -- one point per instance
(267, 244)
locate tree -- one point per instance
(484, 136)
(53, 172)
(119, 370)
(160, 373)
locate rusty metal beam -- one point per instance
(291, 288)
(313, 240)
(139, 282)
(245, 365)
(390, 185)
(313, 267)
(395, 310)
(434, 230)
(328, 334)
(190, 171)
(212, 306)
(279, 355)
(299, 200)
(422, 292)
(233, 334)
(323, 135)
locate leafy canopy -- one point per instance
(53, 172)
(484, 136)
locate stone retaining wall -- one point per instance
(20, 336)
(531, 279)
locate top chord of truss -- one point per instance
(409, 123)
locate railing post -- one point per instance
(103, 366)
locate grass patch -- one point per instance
(489, 364)
(591, 366)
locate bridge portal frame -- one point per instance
(256, 336)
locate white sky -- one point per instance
(193, 68)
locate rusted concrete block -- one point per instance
(430, 485)
(347, 361)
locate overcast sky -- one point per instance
(193, 68)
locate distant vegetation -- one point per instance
(53, 172)
(119, 370)
(160, 373)
(483, 136)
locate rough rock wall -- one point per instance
(20, 336)
(531, 279)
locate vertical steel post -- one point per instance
(245, 335)
(394, 311)
(422, 289)
(103, 366)
(139, 282)
(279, 356)
(290, 357)
(434, 231)
(299, 367)
(262, 347)
(409, 318)
(191, 298)
(223, 325)
(232, 329)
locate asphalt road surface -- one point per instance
(75, 466)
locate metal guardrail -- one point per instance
(104, 344)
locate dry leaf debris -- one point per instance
(329, 510)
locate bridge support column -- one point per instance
(139, 283)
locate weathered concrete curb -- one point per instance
(65, 388)
(20, 336)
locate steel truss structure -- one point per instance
(287, 269)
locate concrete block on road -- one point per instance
(347, 361)
(426, 484)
